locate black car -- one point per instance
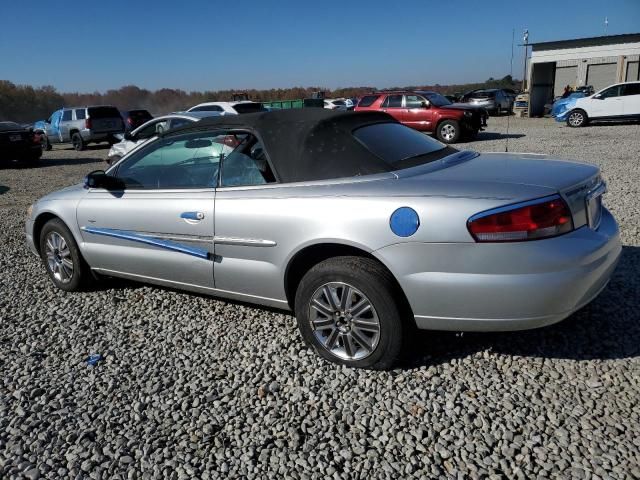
(134, 118)
(19, 143)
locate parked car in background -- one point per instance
(19, 143)
(350, 103)
(134, 118)
(494, 100)
(228, 108)
(563, 105)
(335, 104)
(555, 106)
(153, 128)
(428, 112)
(614, 103)
(81, 126)
(385, 231)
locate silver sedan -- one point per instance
(365, 228)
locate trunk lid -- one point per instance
(515, 178)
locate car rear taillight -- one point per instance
(87, 124)
(542, 218)
(36, 137)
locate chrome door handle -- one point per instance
(192, 216)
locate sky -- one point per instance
(212, 45)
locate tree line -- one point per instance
(24, 103)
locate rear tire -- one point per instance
(347, 311)
(577, 118)
(62, 258)
(78, 142)
(448, 131)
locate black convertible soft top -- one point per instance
(308, 143)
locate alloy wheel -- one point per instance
(576, 119)
(59, 258)
(344, 321)
(448, 132)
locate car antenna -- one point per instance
(506, 144)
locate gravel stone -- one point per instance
(192, 387)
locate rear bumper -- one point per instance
(508, 286)
(91, 136)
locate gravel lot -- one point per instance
(191, 387)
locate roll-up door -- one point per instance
(632, 72)
(564, 76)
(601, 75)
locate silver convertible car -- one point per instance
(363, 227)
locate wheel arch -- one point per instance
(309, 256)
(39, 223)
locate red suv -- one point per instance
(429, 112)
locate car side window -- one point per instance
(610, 92)
(66, 115)
(413, 101)
(80, 114)
(631, 89)
(176, 162)
(392, 101)
(246, 165)
(152, 129)
(178, 122)
(208, 108)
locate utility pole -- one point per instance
(525, 40)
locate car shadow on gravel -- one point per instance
(100, 146)
(4, 189)
(606, 329)
(57, 162)
(485, 136)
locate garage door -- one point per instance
(632, 71)
(601, 75)
(564, 76)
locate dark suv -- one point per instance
(428, 112)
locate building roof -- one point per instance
(586, 42)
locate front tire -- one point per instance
(347, 311)
(78, 142)
(61, 257)
(577, 118)
(44, 141)
(448, 131)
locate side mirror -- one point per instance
(425, 104)
(129, 136)
(598, 97)
(99, 179)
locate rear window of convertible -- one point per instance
(399, 146)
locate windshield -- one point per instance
(399, 146)
(436, 99)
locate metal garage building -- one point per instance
(596, 61)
